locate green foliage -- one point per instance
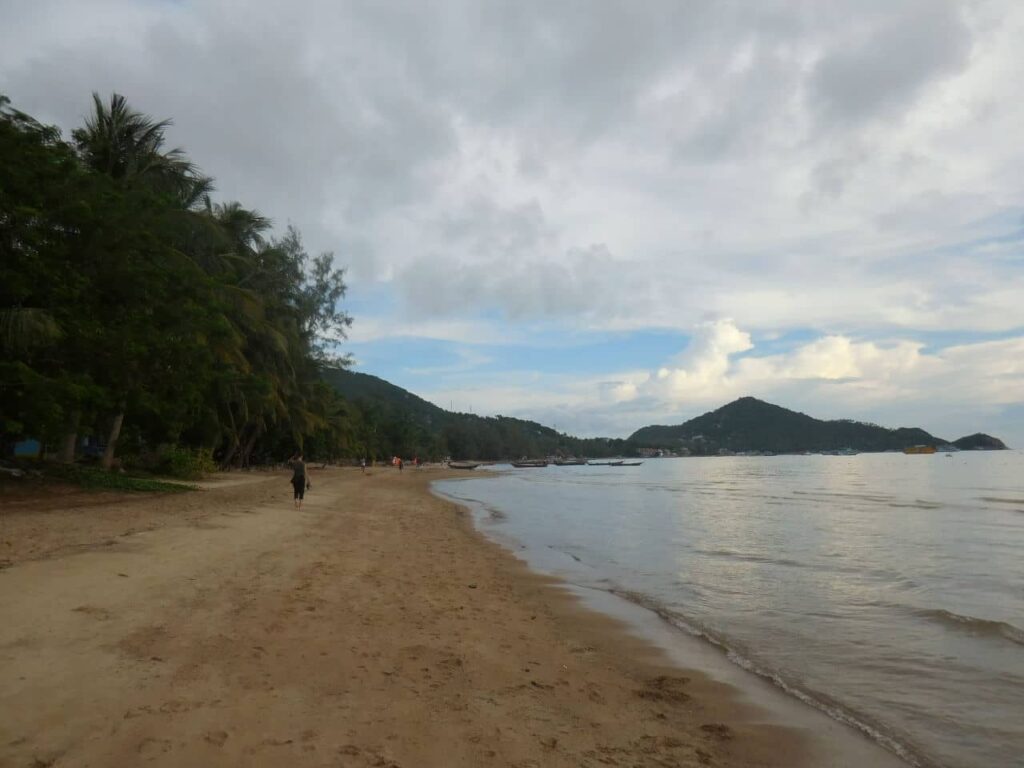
(186, 463)
(94, 478)
(127, 297)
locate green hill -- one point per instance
(362, 387)
(392, 421)
(749, 424)
(980, 442)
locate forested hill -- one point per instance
(387, 420)
(749, 424)
(363, 387)
(980, 442)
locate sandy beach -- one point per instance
(375, 627)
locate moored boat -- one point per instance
(570, 462)
(463, 464)
(913, 449)
(531, 464)
(604, 463)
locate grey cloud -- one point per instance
(497, 232)
(895, 51)
(830, 177)
(564, 285)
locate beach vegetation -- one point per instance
(98, 479)
(136, 310)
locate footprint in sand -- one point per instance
(217, 738)
(718, 730)
(102, 614)
(593, 693)
(665, 689)
(151, 746)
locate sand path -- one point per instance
(373, 628)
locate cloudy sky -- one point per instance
(606, 214)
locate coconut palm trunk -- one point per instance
(115, 433)
(67, 448)
(250, 444)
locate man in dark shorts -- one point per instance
(299, 480)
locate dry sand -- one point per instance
(374, 627)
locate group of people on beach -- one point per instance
(398, 461)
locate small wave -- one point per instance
(494, 513)
(750, 558)
(836, 494)
(989, 627)
(1001, 500)
(564, 552)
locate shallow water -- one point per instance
(883, 588)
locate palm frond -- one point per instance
(26, 328)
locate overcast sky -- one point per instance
(606, 214)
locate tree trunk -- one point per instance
(229, 454)
(233, 456)
(115, 432)
(250, 445)
(236, 440)
(67, 449)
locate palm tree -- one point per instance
(243, 226)
(26, 328)
(129, 147)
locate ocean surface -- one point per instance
(884, 589)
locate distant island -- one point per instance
(751, 425)
(980, 442)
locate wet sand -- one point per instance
(375, 627)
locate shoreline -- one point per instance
(378, 626)
(838, 738)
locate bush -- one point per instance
(187, 464)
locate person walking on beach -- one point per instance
(300, 483)
(362, 463)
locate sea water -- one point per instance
(884, 589)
